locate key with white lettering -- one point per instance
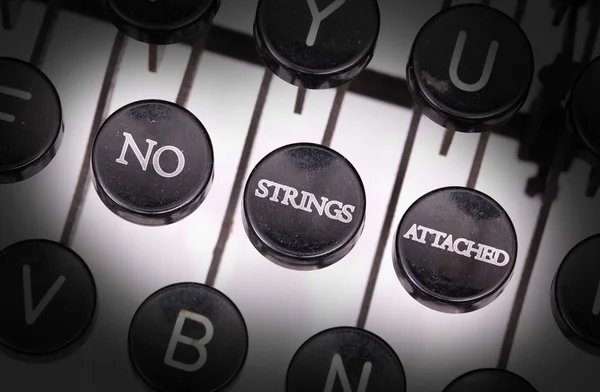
(353, 358)
(471, 68)
(317, 44)
(161, 22)
(158, 256)
(304, 206)
(455, 250)
(31, 124)
(187, 337)
(48, 301)
(152, 162)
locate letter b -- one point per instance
(198, 344)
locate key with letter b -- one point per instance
(198, 339)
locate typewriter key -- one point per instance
(304, 206)
(161, 22)
(48, 301)
(455, 250)
(152, 163)
(583, 111)
(353, 358)
(470, 68)
(187, 337)
(315, 44)
(31, 127)
(576, 296)
(490, 380)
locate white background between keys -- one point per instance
(283, 308)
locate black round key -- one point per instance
(48, 301)
(455, 250)
(490, 380)
(152, 162)
(304, 206)
(187, 337)
(31, 126)
(353, 358)
(583, 113)
(470, 68)
(316, 44)
(576, 295)
(161, 22)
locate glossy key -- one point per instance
(152, 162)
(304, 206)
(470, 68)
(490, 380)
(455, 250)
(316, 44)
(187, 337)
(353, 358)
(31, 126)
(576, 296)
(161, 22)
(583, 111)
(48, 301)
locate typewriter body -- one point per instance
(352, 316)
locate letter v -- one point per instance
(32, 314)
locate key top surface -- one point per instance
(583, 111)
(152, 162)
(355, 358)
(161, 21)
(490, 380)
(31, 127)
(576, 296)
(316, 44)
(455, 250)
(304, 206)
(48, 301)
(471, 68)
(188, 337)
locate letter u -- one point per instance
(487, 69)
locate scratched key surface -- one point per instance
(249, 113)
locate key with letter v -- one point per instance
(31, 313)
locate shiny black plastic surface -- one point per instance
(583, 106)
(316, 44)
(470, 68)
(575, 295)
(455, 250)
(304, 206)
(173, 173)
(48, 301)
(345, 353)
(161, 21)
(205, 331)
(31, 128)
(490, 380)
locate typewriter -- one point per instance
(299, 195)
